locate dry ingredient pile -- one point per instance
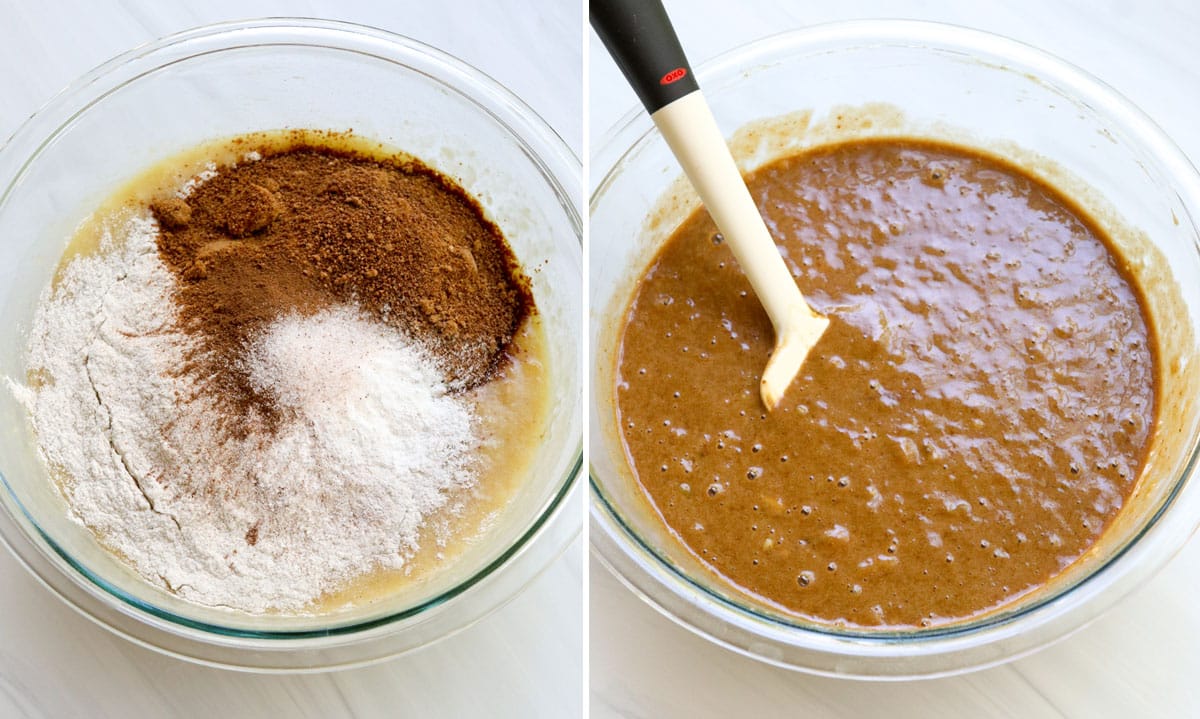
(258, 389)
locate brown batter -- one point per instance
(973, 419)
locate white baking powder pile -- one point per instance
(370, 446)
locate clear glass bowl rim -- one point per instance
(551, 156)
(739, 627)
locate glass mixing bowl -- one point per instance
(217, 81)
(907, 79)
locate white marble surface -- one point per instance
(524, 660)
(1140, 660)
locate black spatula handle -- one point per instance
(639, 36)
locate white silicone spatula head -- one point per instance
(690, 130)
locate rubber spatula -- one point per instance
(639, 36)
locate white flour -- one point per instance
(371, 446)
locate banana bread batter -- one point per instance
(974, 417)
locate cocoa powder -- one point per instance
(307, 227)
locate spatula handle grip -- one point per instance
(639, 36)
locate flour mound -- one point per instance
(370, 445)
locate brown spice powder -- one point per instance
(308, 227)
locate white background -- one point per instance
(1140, 660)
(523, 661)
